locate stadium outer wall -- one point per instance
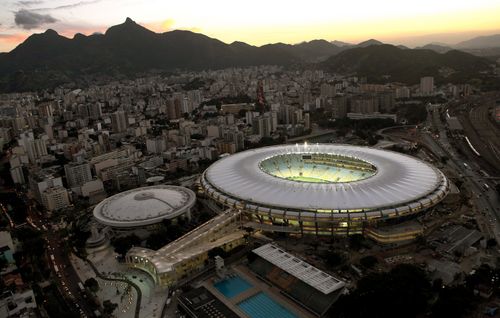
(334, 222)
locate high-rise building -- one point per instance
(55, 198)
(17, 175)
(174, 108)
(213, 131)
(156, 145)
(327, 90)
(83, 111)
(364, 104)
(35, 149)
(339, 107)
(402, 92)
(42, 180)
(237, 137)
(427, 85)
(119, 121)
(95, 110)
(261, 125)
(77, 174)
(307, 121)
(386, 101)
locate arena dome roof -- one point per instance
(323, 178)
(144, 206)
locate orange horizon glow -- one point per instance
(263, 22)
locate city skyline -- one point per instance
(260, 23)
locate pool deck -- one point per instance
(257, 286)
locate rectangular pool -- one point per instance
(232, 286)
(263, 306)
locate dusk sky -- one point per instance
(259, 22)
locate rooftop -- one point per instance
(307, 273)
(144, 206)
(398, 180)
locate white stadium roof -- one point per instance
(400, 181)
(144, 206)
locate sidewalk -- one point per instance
(125, 296)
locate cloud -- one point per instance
(29, 3)
(168, 25)
(68, 6)
(160, 26)
(31, 20)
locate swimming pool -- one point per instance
(263, 306)
(232, 286)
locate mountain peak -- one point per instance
(51, 32)
(340, 43)
(488, 41)
(369, 43)
(79, 36)
(127, 28)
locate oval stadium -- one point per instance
(145, 206)
(323, 189)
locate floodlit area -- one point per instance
(104, 259)
(317, 168)
(323, 189)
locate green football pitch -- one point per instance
(307, 179)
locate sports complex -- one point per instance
(323, 189)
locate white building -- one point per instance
(41, 181)
(17, 175)
(55, 198)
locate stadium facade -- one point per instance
(323, 189)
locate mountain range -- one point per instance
(380, 63)
(49, 59)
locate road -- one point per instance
(67, 278)
(478, 126)
(485, 198)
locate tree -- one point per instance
(491, 243)
(218, 251)
(356, 241)
(333, 259)
(32, 242)
(123, 244)
(368, 261)
(197, 136)
(242, 113)
(109, 307)
(92, 284)
(456, 301)
(405, 287)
